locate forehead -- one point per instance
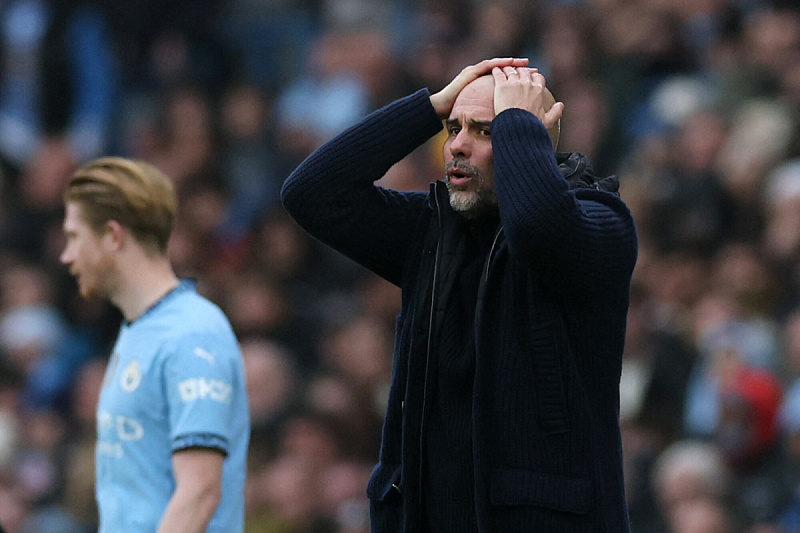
(476, 100)
(73, 217)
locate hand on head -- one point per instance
(525, 88)
(443, 100)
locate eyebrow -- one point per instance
(474, 123)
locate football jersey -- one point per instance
(175, 380)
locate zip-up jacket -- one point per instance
(549, 322)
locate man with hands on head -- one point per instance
(515, 273)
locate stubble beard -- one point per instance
(97, 284)
(92, 292)
(471, 203)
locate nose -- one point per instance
(461, 144)
(65, 257)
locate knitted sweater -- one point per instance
(549, 320)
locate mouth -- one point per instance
(457, 177)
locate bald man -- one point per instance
(515, 271)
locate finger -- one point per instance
(498, 75)
(537, 78)
(488, 64)
(510, 71)
(525, 74)
(510, 61)
(555, 112)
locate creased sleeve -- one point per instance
(332, 193)
(584, 238)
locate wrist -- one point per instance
(436, 103)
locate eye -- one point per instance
(453, 130)
(486, 132)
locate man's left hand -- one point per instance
(525, 88)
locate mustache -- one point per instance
(459, 165)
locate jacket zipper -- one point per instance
(428, 354)
(481, 290)
(491, 252)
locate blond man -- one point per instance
(172, 417)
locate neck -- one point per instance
(145, 280)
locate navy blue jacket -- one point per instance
(549, 321)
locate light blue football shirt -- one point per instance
(175, 380)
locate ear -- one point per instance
(555, 129)
(116, 235)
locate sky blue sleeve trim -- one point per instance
(200, 440)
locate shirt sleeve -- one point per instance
(202, 374)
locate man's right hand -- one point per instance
(443, 101)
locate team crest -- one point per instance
(131, 377)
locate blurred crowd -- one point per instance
(694, 104)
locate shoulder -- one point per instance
(192, 304)
(190, 316)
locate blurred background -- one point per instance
(694, 104)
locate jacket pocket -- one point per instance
(384, 483)
(524, 487)
(530, 379)
(550, 347)
(385, 499)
